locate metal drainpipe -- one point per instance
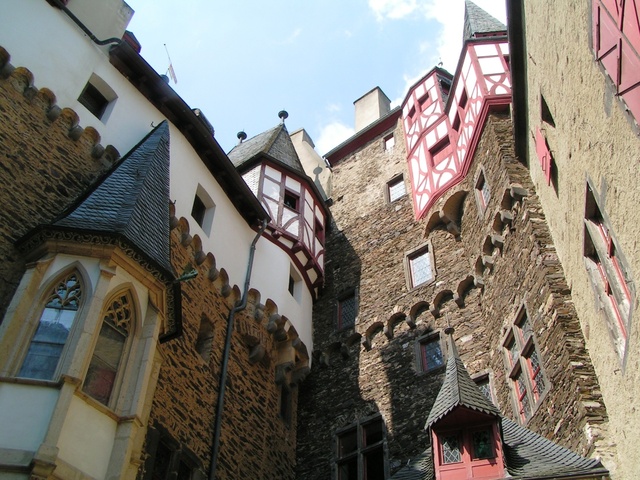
(215, 447)
(75, 19)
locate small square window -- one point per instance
(347, 311)
(319, 230)
(483, 381)
(431, 356)
(291, 200)
(204, 342)
(420, 270)
(97, 97)
(396, 189)
(203, 209)
(294, 285)
(389, 142)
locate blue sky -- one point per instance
(243, 61)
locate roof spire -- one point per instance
(478, 23)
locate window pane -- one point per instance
(374, 464)
(451, 449)
(53, 330)
(431, 354)
(536, 372)
(348, 470)
(184, 472)
(161, 462)
(396, 190)
(104, 364)
(372, 432)
(347, 443)
(420, 266)
(482, 444)
(347, 312)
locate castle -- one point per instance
(448, 294)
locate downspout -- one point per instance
(215, 447)
(76, 20)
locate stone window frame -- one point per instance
(203, 209)
(481, 190)
(362, 449)
(608, 272)
(519, 345)
(426, 247)
(123, 368)
(389, 142)
(98, 89)
(489, 376)
(204, 341)
(179, 455)
(346, 295)
(396, 180)
(430, 337)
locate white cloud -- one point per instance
(334, 107)
(290, 39)
(392, 9)
(332, 135)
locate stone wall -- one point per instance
(488, 263)
(592, 137)
(45, 153)
(256, 442)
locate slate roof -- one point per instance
(527, 455)
(275, 143)
(476, 20)
(458, 390)
(132, 200)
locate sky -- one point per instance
(243, 61)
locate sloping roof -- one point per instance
(274, 143)
(132, 200)
(528, 454)
(458, 390)
(476, 20)
(419, 468)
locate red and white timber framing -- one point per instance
(441, 139)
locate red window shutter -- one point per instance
(544, 155)
(629, 57)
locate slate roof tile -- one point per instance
(132, 199)
(476, 20)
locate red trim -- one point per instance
(362, 138)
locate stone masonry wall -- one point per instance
(43, 152)
(255, 441)
(487, 264)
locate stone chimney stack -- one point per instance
(372, 106)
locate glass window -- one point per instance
(420, 268)
(431, 353)
(56, 321)
(451, 452)
(482, 444)
(108, 353)
(360, 454)
(347, 311)
(396, 188)
(483, 194)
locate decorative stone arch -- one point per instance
(463, 288)
(440, 298)
(417, 309)
(392, 322)
(371, 332)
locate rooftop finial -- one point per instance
(283, 115)
(452, 344)
(242, 136)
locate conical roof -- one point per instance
(275, 144)
(132, 200)
(476, 20)
(458, 390)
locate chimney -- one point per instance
(372, 106)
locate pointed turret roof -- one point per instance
(132, 200)
(275, 144)
(476, 20)
(458, 389)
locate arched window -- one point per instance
(107, 357)
(56, 321)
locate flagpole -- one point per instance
(170, 70)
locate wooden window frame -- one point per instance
(421, 343)
(395, 181)
(361, 448)
(346, 296)
(410, 256)
(519, 345)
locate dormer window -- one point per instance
(468, 453)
